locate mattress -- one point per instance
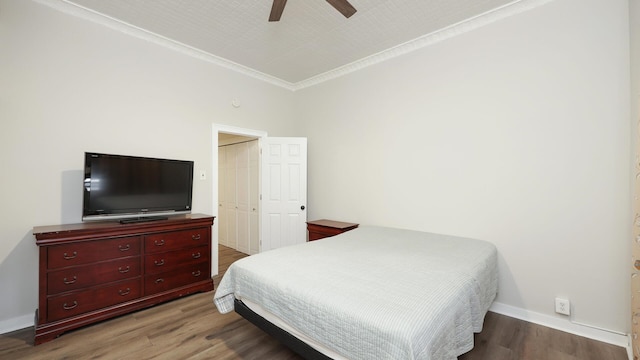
(373, 292)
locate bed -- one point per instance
(370, 293)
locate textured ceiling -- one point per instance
(312, 38)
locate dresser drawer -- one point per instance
(176, 240)
(79, 277)
(172, 279)
(166, 261)
(79, 302)
(86, 252)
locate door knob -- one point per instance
(302, 207)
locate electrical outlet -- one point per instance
(563, 306)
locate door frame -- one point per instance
(233, 130)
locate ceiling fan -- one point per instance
(343, 6)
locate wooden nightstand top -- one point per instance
(332, 224)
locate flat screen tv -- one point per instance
(135, 188)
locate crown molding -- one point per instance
(131, 30)
(513, 8)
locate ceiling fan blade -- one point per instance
(343, 6)
(276, 10)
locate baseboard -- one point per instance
(608, 336)
(17, 323)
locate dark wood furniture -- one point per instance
(94, 271)
(320, 229)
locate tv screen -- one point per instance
(120, 187)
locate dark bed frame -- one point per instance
(292, 342)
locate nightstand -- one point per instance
(320, 229)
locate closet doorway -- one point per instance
(282, 182)
(238, 192)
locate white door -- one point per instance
(238, 194)
(230, 204)
(254, 200)
(222, 197)
(284, 192)
(243, 192)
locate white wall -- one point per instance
(516, 133)
(69, 86)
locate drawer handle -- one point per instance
(69, 257)
(69, 282)
(195, 237)
(124, 292)
(124, 248)
(196, 273)
(158, 281)
(125, 270)
(196, 255)
(69, 307)
(159, 263)
(159, 243)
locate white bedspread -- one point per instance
(373, 292)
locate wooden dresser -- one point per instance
(320, 229)
(94, 271)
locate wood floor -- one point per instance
(191, 328)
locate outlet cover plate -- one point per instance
(563, 306)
